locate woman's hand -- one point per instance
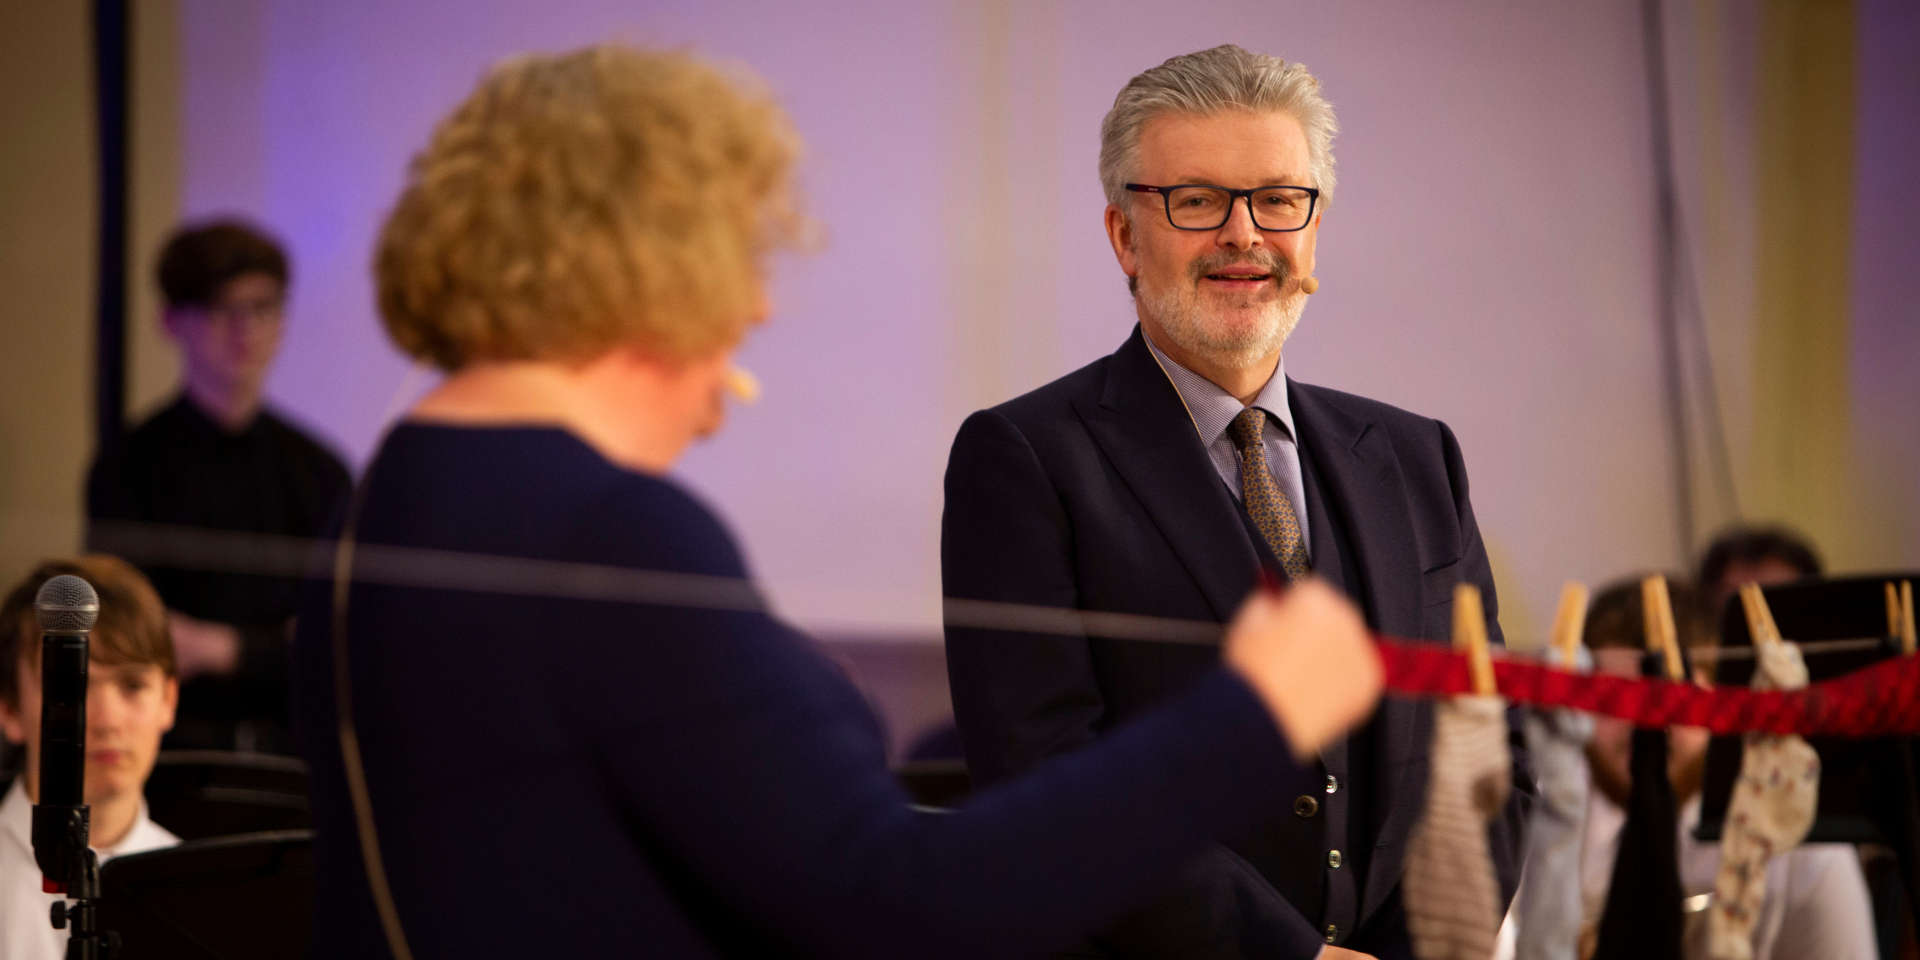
(1308, 656)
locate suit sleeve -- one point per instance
(1507, 835)
(1020, 698)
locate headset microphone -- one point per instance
(742, 384)
(1309, 285)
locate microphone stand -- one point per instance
(80, 911)
(62, 820)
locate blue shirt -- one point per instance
(1213, 409)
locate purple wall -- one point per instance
(1487, 261)
(1886, 275)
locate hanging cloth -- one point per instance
(1772, 807)
(1547, 907)
(1642, 919)
(1449, 890)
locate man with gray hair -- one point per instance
(1162, 479)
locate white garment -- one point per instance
(26, 933)
(1815, 908)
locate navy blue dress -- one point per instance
(588, 778)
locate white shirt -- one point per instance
(1815, 906)
(1213, 410)
(26, 933)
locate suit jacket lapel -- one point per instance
(1364, 485)
(1145, 431)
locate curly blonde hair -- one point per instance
(580, 202)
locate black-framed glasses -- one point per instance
(1203, 206)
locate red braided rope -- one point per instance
(1881, 700)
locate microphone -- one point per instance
(1309, 285)
(742, 384)
(67, 607)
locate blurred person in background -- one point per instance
(131, 692)
(1816, 905)
(581, 247)
(1768, 556)
(218, 459)
(1159, 480)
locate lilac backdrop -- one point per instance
(1487, 261)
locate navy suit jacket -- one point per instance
(1095, 492)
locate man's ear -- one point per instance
(1120, 235)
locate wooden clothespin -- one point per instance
(1570, 621)
(1470, 637)
(1896, 626)
(1760, 623)
(1657, 609)
(1906, 617)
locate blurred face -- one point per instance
(231, 342)
(1232, 294)
(707, 393)
(647, 409)
(711, 378)
(1769, 572)
(128, 707)
(1610, 752)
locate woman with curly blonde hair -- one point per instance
(581, 247)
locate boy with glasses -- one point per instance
(217, 458)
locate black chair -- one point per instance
(210, 793)
(229, 898)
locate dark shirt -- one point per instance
(578, 778)
(181, 468)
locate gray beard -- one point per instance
(1177, 311)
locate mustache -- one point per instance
(1268, 261)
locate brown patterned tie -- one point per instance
(1265, 501)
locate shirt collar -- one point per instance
(205, 425)
(16, 821)
(1213, 409)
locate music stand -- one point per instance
(1868, 792)
(229, 898)
(215, 793)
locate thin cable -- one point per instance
(1719, 453)
(370, 857)
(398, 404)
(1666, 202)
(1880, 700)
(277, 555)
(1812, 648)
